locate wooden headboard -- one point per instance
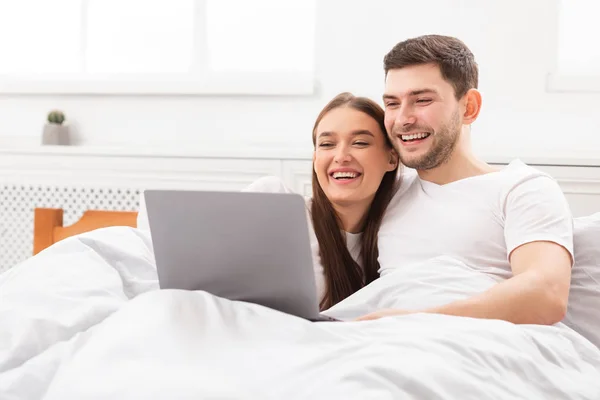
(48, 224)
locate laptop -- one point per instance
(243, 246)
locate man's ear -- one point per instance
(472, 106)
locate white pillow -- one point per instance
(583, 314)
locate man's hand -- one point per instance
(383, 313)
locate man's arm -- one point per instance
(539, 289)
(537, 293)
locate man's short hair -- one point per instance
(455, 60)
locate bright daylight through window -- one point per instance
(577, 53)
(167, 44)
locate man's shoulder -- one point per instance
(518, 169)
(530, 193)
(518, 174)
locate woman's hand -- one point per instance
(384, 313)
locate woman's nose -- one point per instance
(343, 155)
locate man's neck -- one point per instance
(459, 166)
(352, 216)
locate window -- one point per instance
(44, 41)
(578, 55)
(139, 36)
(157, 46)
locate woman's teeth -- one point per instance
(414, 136)
(345, 175)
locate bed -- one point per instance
(84, 319)
(48, 225)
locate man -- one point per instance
(513, 223)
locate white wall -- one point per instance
(514, 42)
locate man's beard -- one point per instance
(444, 141)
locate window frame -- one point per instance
(559, 81)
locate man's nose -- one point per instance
(405, 117)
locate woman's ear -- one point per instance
(393, 160)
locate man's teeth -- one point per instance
(414, 136)
(350, 175)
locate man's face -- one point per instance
(422, 115)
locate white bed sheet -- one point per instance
(83, 320)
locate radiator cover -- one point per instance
(17, 204)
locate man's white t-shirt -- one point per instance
(272, 184)
(478, 220)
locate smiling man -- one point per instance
(513, 223)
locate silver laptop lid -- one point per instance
(244, 246)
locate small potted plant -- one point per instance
(56, 132)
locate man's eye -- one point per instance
(325, 144)
(423, 101)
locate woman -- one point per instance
(353, 180)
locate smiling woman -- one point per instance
(353, 180)
(351, 157)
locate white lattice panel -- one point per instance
(17, 203)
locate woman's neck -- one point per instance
(352, 216)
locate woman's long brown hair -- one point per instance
(343, 276)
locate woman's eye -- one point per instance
(361, 143)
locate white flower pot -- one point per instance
(55, 134)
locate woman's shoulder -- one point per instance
(269, 184)
(273, 184)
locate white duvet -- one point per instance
(84, 320)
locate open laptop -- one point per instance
(245, 246)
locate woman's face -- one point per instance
(351, 156)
